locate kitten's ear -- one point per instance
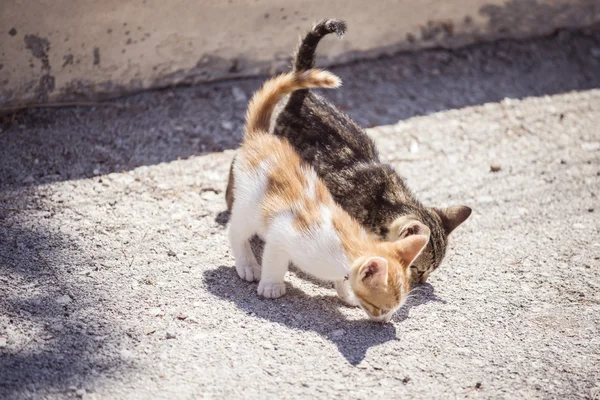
(414, 228)
(374, 271)
(410, 247)
(452, 217)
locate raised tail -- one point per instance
(305, 55)
(263, 102)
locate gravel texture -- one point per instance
(116, 279)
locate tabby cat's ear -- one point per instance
(452, 217)
(414, 228)
(374, 271)
(410, 247)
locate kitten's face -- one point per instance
(381, 296)
(381, 282)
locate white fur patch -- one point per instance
(317, 251)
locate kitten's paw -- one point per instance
(248, 272)
(271, 290)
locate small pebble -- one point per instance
(495, 167)
(3, 342)
(126, 354)
(485, 199)
(338, 333)
(57, 326)
(591, 146)
(227, 125)
(157, 312)
(414, 147)
(170, 335)
(64, 300)
(239, 95)
(267, 345)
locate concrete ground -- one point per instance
(116, 279)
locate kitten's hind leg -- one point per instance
(274, 267)
(245, 264)
(346, 295)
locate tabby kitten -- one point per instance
(280, 197)
(347, 161)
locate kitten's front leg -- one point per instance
(274, 267)
(346, 295)
(245, 263)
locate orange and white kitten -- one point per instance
(280, 197)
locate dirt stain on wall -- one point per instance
(39, 48)
(96, 56)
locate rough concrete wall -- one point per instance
(62, 49)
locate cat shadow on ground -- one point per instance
(421, 294)
(320, 314)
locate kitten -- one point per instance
(346, 159)
(280, 197)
